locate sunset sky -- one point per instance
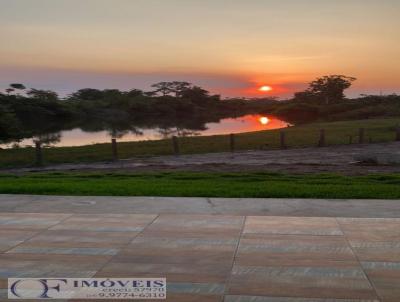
(228, 47)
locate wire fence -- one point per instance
(282, 139)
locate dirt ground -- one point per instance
(336, 159)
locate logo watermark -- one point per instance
(87, 288)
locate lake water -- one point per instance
(247, 123)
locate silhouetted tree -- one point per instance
(150, 93)
(111, 93)
(330, 87)
(162, 87)
(175, 87)
(9, 124)
(45, 95)
(87, 94)
(9, 90)
(305, 96)
(13, 87)
(134, 92)
(198, 96)
(179, 87)
(17, 86)
(47, 139)
(194, 92)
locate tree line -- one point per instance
(27, 112)
(31, 112)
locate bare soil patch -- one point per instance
(334, 159)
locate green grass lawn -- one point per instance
(378, 130)
(187, 184)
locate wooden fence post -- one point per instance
(361, 135)
(321, 142)
(398, 133)
(114, 149)
(232, 142)
(175, 145)
(283, 140)
(39, 154)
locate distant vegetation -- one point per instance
(176, 107)
(172, 106)
(324, 100)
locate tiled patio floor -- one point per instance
(212, 257)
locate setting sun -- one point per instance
(265, 88)
(264, 120)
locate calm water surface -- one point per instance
(247, 123)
